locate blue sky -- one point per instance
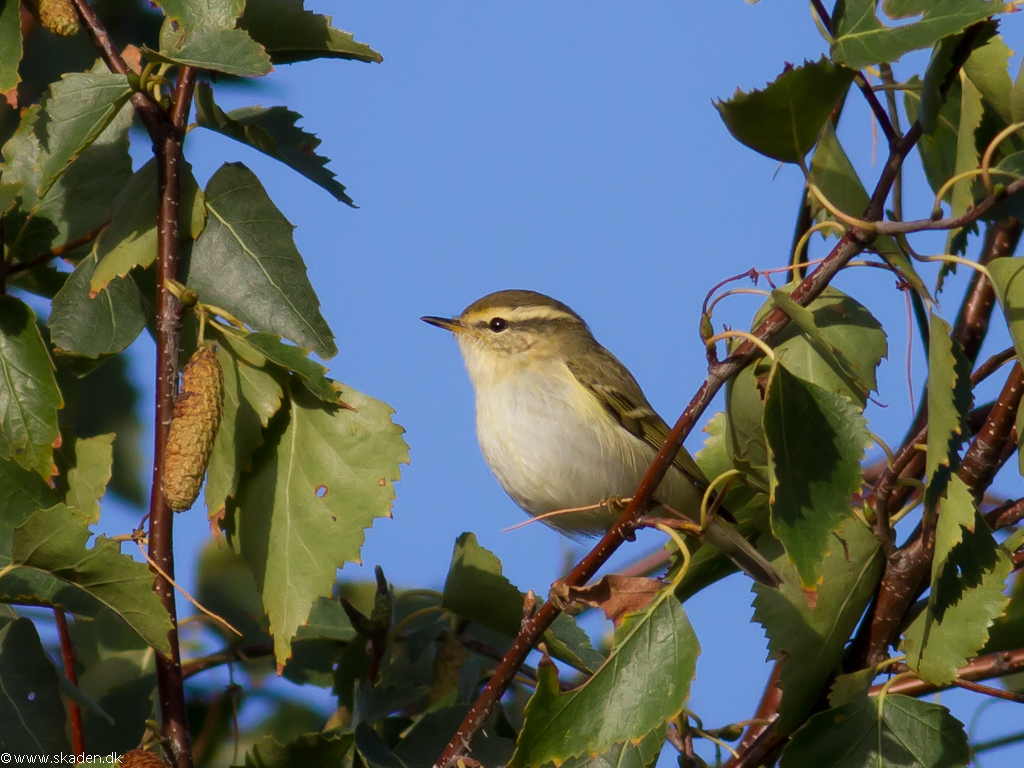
(568, 148)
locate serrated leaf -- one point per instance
(269, 347)
(783, 119)
(130, 241)
(1008, 277)
(896, 732)
(809, 641)
(230, 51)
(22, 491)
(290, 33)
(10, 46)
(987, 68)
(78, 202)
(816, 440)
(32, 719)
(968, 578)
(246, 262)
(308, 749)
(29, 398)
(642, 755)
(476, 589)
(644, 682)
(48, 550)
(834, 174)
(195, 14)
(949, 399)
(272, 131)
(88, 472)
(861, 39)
(967, 157)
(95, 325)
(937, 149)
(845, 325)
(251, 398)
(225, 585)
(323, 476)
(111, 384)
(76, 111)
(429, 736)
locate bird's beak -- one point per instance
(449, 324)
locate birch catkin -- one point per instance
(197, 414)
(57, 16)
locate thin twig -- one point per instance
(67, 655)
(985, 667)
(58, 251)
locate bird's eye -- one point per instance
(498, 324)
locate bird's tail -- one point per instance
(724, 537)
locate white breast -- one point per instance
(552, 446)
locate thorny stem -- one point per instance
(167, 133)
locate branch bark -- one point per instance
(982, 668)
(67, 655)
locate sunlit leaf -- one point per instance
(88, 469)
(50, 565)
(323, 476)
(10, 46)
(246, 262)
(644, 683)
(783, 119)
(808, 640)
(816, 441)
(894, 733)
(949, 399)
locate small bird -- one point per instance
(564, 425)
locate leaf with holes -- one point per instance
(323, 476)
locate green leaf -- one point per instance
(967, 156)
(1008, 277)
(1017, 96)
(22, 492)
(251, 397)
(94, 325)
(844, 325)
(246, 263)
(323, 476)
(272, 131)
(195, 14)
(426, 739)
(476, 589)
(111, 385)
(834, 174)
(809, 640)
(816, 440)
(949, 400)
(290, 33)
(76, 111)
(628, 755)
(32, 718)
(230, 51)
(783, 120)
(48, 555)
(29, 398)
(130, 240)
(644, 682)
(968, 578)
(308, 749)
(79, 202)
(987, 69)
(860, 39)
(938, 148)
(10, 45)
(88, 472)
(269, 347)
(225, 585)
(896, 732)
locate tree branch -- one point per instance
(57, 251)
(982, 668)
(67, 655)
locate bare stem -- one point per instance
(67, 655)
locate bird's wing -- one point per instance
(622, 397)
